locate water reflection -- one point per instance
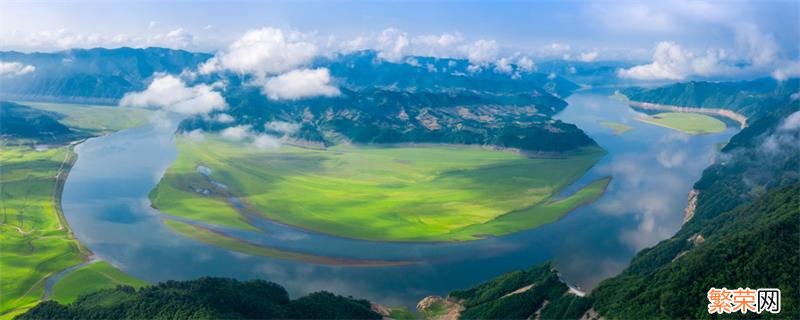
(653, 168)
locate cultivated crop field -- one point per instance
(436, 193)
(691, 123)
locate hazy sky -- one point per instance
(704, 32)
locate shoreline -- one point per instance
(739, 118)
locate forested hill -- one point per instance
(205, 298)
(750, 98)
(744, 232)
(22, 122)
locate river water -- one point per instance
(653, 168)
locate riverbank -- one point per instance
(738, 118)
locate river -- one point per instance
(653, 168)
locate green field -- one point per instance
(94, 119)
(442, 193)
(618, 128)
(217, 239)
(691, 123)
(90, 278)
(33, 242)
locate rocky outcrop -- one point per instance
(691, 205)
(448, 309)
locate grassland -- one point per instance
(220, 240)
(94, 119)
(35, 240)
(90, 278)
(618, 128)
(442, 193)
(34, 243)
(690, 123)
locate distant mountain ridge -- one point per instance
(92, 75)
(749, 98)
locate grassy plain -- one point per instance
(690, 123)
(90, 278)
(33, 242)
(94, 119)
(220, 240)
(618, 128)
(442, 193)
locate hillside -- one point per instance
(744, 225)
(750, 98)
(23, 122)
(205, 298)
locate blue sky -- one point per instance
(735, 31)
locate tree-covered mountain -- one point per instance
(205, 298)
(97, 75)
(743, 233)
(420, 100)
(23, 122)
(364, 69)
(377, 115)
(750, 98)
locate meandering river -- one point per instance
(653, 169)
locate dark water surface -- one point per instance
(653, 168)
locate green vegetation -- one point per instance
(618, 128)
(217, 239)
(520, 295)
(402, 313)
(29, 125)
(750, 98)
(94, 119)
(34, 243)
(752, 246)
(744, 233)
(442, 193)
(90, 278)
(35, 240)
(205, 298)
(691, 123)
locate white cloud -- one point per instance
(15, 68)
(171, 94)
(266, 142)
(392, 45)
(481, 51)
(503, 65)
(588, 56)
(195, 135)
(177, 38)
(263, 52)
(282, 127)
(237, 133)
(792, 122)
(760, 48)
(786, 71)
(561, 50)
(672, 62)
(526, 64)
(297, 84)
(223, 118)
